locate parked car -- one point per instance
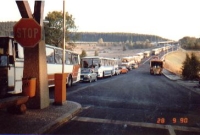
(88, 74)
(117, 71)
(134, 66)
(123, 69)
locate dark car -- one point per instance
(88, 74)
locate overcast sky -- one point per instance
(171, 19)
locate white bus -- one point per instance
(147, 54)
(128, 61)
(102, 66)
(12, 63)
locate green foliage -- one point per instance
(83, 54)
(118, 37)
(191, 67)
(190, 43)
(54, 29)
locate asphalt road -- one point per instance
(134, 103)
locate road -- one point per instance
(134, 103)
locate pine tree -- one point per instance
(191, 67)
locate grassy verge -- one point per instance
(174, 60)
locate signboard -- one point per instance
(27, 32)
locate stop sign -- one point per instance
(27, 32)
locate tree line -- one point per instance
(190, 43)
(116, 37)
(53, 33)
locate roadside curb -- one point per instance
(61, 120)
(196, 90)
(189, 85)
(170, 75)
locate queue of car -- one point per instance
(88, 74)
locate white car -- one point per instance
(88, 74)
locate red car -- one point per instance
(123, 69)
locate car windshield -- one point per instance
(86, 70)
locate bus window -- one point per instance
(58, 56)
(50, 55)
(68, 58)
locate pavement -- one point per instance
(38, 121)
(42, 121)
(190, 85)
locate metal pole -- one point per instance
(64, 18)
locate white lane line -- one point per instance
(138, 124)
(171, 130)
(147, 60)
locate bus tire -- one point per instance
(69, 83)
(103, 75)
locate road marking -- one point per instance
(147, 60)
(93, 84)
(170, 128)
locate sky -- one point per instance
(172, 19)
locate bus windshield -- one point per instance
(90, 62)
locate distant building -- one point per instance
(6, 28)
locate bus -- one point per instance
(12, 63)
(156, 66)
(102, 66)
(155, 51)
(128, 61)
(147, 54)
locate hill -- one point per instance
(116, 37)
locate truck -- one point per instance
(156, 66)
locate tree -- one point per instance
(186, 67)
(100, 41)
(96, 53)
(191, 67)
(83, 54)
(54, 29)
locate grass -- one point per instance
(174, 60)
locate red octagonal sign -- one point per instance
(27, 32)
